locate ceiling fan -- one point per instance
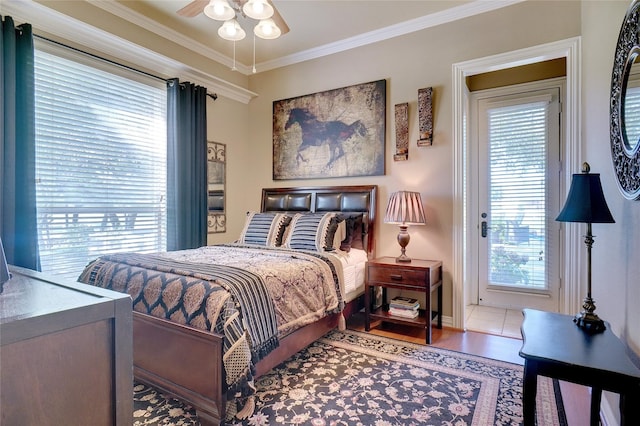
(196, 7)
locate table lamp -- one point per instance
(586, 204)
(404, 209)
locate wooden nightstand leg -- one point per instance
(428, 313)
(367, 306)
(440, 306)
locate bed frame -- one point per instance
(187, 363)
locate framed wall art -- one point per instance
(336, 133)
(216, 187)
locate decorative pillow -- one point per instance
(312, 231)
(264, 229)
(353, 230)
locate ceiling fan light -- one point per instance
(267, 29)
(219, 10)
(258, 9)
(231, 30)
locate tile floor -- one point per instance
(502, 322)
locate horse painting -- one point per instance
(318, 133)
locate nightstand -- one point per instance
(418, 275)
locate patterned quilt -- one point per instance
(251, 295)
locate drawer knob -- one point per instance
(396, 277)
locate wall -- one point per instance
(410, 62)
(226, 124)
(616, 289)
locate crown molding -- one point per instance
(121, 11)
(60, 25)
(449, 15)
(48, 21)
(428, 21)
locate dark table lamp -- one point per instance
(586, 204)
(5, 275)
(404, 209)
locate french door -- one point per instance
(517, 197)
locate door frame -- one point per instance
(572, 258)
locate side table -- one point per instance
(418, 275)
(555, 347)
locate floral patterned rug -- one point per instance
(354, 378)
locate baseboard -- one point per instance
(447, 321)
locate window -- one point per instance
(100, 159)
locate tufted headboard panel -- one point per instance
(345, 199)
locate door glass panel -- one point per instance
(518, 158)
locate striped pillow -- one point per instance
(312, 231)
(264, 229)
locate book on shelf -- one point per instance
(402, 302)
(404, 313)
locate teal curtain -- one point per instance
(18, 220)
(186, 165)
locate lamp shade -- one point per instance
(231, 30)
(585, 202)
(258, 9)
(267, 29)
(405, 207)
(219, 10)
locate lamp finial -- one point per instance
(586, 168)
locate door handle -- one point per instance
(483, 225)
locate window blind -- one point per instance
(100, 161)
(518, 157)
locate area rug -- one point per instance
(354, 378)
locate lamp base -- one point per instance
(403, 240)
(589, 322)
(403, 258)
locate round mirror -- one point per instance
(631, 104)
(625, 105)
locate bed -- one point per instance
(182, 353)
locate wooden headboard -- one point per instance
(345, 199)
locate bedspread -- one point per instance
(249, 294)
(304, 285)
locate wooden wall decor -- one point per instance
(425, 116)
(402, 132)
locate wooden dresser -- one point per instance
(65, 353)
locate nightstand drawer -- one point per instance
(398, 276)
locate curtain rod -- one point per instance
(213, 96)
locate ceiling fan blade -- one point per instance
(193, 9)
(277, 18)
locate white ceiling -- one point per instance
(317, 27)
